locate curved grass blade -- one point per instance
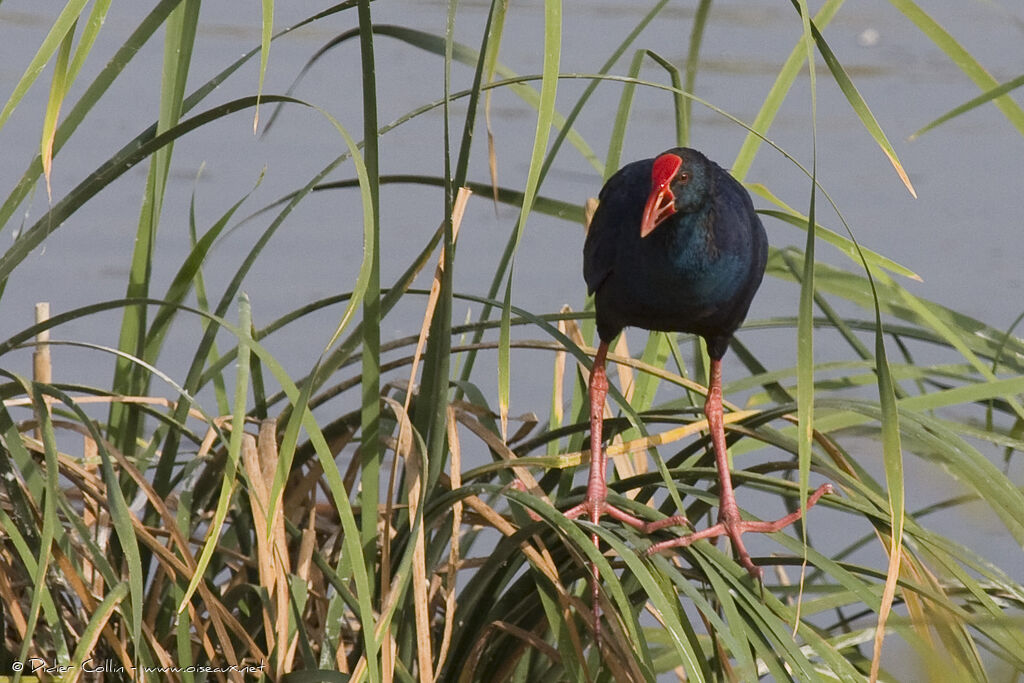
(100, 618)
(618, 133)
(805, 311)
(62, 26)
(892, 455)
(700, 20)
(178, 43)
(954, 340)
(777, 95)
(662, 601)
(42, 600)
(58, 89)
(266, 35)
(228, 482)
(680, 103)
(592, 86)
(93, 93)
(371, 452)
(361, 292)
(549, 206)
(436, 45)
(843, 244)
(189, 273)
(131, 154)
(983, 98)
(564, 131)
(860, 107)
(431, 419)
(545, 114)
(962, 58)
(64, 75)
(984, 341)
(145, 30)
(578, 535)
(89, 34)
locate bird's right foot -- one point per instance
(596, 508)
(595, 505)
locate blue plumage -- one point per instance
(696, 272)
(674, 245)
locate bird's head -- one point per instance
(679, 183)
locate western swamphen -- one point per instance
(675, 245)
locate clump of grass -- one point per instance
(334, 525)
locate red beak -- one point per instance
(661, 203)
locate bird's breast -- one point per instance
(680, 280)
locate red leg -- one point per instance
(729, 522)
(596, 502)
(597, 488)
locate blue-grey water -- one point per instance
(961, 234)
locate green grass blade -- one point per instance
(431, 419)
(954, 339)
(145, 30)
(983, 98)
(567, 129)
(228, 480)
(892, 455)
(545, 114)
(549, 206)
(196, 377)
(962, 58)
(461, 53)
(859, 106)
(42, 600)
(505, 355)
(266, 35)
(64, 76)
(777, 95)
(62, 25)
(179, 40)
(92, 94)
(371, 452)
(58, 89)
(367, 287)
(805, 315)
(618, 133)
(683, 110)
(131, 154)
(89, 34)
(662, 601)
(679, 101)
(564, 131)
(189, 274)
(843, 244)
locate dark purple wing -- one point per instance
(621, 207)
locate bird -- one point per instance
(675, 245)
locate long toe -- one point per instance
(735, 531)
(730, 524)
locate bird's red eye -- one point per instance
(684, 177)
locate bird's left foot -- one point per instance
(731, 525)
